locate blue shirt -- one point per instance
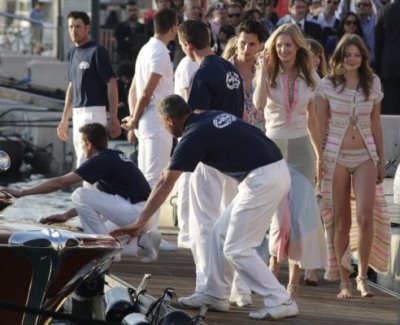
(217, 85)
(89, 70)
(224, 142)
(115, 174)
(36, 15)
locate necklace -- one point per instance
(291, 80)
(353, 119)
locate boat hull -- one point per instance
(41, 266)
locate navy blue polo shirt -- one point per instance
(116, 174)
(89, 70)
(217, 85)
(224, 142)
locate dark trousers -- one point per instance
(391, 100)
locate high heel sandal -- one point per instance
(363, 287)
(345, 290)
(293, 290)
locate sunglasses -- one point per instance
(350, 22)
(233, 15)
(362, 4)
(334, 2)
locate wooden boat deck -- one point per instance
(317, 305)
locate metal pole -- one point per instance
(95, 21)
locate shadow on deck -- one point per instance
(317, 305)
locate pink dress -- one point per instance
(341, 109)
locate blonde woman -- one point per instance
(351, 96)
(286, 85)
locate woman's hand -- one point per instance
(381, 172)
(320, 170)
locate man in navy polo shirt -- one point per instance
(216, 85)
(92, 84)
(119, 197)
(243, 152)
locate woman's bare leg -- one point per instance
(364, 181)
(294, 279)
(341, 188)
(274, 266)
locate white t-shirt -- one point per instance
(184, 74)
(154, 58)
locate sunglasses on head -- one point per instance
(233, 15)
(350, 22)
(363, 4)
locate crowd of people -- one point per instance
(263, 125)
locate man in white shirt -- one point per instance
(152, 82)
(183, 78)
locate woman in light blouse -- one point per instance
(286, 87)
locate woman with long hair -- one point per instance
(350, 24)
(351, 96)
(286, 87)
(319, 58)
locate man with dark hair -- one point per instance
(91, 86)
(298, 10)
(253, 27)
(241, 151)
(153, 81)
(216, 85)
(130, 34)
(120, 193)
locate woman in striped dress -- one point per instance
(351, 96)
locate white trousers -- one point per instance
(80, 117)
(241, 229)
(182, 210)
(210, 192)
(155, 145)
(101, 212)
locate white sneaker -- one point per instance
(166, 246)
(150, 242)
(288, 309)
(241, 300)
(197, 300)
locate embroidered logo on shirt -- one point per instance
(223, 120)
(232, 80)
(84, 65)
(124, 157)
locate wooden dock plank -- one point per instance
(317, 305)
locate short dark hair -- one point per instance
(195, 32)
(80, 15)
(96, 134)
(164, 20)
(131, 3)
(250, 26)
(173, 106)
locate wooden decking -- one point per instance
(317, 305)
